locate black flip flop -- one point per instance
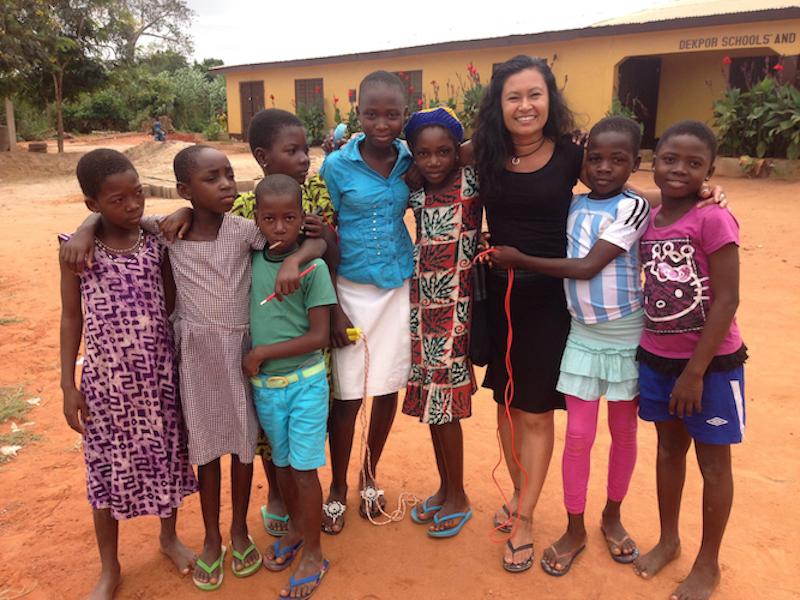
(623, 559)
(555, 572)
(518, 567)
(505, 526)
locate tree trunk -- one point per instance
(11, 124)
(58, 80)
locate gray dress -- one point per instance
(212, 333)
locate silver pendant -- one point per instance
(515, 160)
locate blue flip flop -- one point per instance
(316, 579)
(425, 508)
(453, 531)
(278, 552)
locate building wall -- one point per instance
(585, 67)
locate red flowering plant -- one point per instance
(272, 99)
(472, 91)
(337, 113)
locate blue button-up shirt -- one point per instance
(375, 245)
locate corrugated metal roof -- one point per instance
(679, 13)
(688, 9)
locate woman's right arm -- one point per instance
(71, 330)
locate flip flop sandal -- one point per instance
(316, 579)
(334, 510)
(371, 501)
(207, 586)
(505, 526)
(426, 509)
(266, 517)
(565, 569)
(278, 552)
(452, 531)
(518, 567)
(241, 557)
(623, 559)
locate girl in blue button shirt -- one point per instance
(365, 181)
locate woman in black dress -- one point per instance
(527, 166)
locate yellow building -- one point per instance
(667, 63)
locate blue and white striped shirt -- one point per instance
(616, 291)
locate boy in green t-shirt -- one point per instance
(287, 370)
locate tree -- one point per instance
(73, 32)
(163, 20)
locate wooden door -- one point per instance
(251, 94)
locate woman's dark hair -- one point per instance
(493, 144)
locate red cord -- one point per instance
(508, 398)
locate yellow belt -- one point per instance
(282, 381)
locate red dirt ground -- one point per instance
(47, 547)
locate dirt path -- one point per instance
(47, 547)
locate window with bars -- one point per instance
(412, 80)
(308, 92)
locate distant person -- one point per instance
(159, 134)
(691, 357)
(120, 305)
(604, 298)
(289, 377)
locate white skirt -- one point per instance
(383, 317)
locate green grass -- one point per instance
(16, 438)
(12, 403)
(13, 406)
(10, 320)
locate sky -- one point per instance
(250, 31)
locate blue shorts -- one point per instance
(722, 418)
(293, 411)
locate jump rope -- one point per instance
(371, 495)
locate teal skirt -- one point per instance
(600, 360)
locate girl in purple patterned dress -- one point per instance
(127, 406)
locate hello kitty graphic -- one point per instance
(675, 297)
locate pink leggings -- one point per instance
(581, 430)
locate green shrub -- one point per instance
(33, 123)
(763, 121)
(313, 118)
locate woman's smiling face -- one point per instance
(526, 104)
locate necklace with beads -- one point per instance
(115, 253)
(515, 159)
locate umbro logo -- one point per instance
(717, 421)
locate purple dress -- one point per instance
(135, 442)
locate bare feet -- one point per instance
(333, 517)
(310, 566)
(648, 565)
(699, 585)
(560, 555)
(620, 544)
(107, 584)
(522, 542)
(180, 555)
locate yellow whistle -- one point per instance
(353, 333)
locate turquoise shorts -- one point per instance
(293, 411)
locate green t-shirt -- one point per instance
(281, 321)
